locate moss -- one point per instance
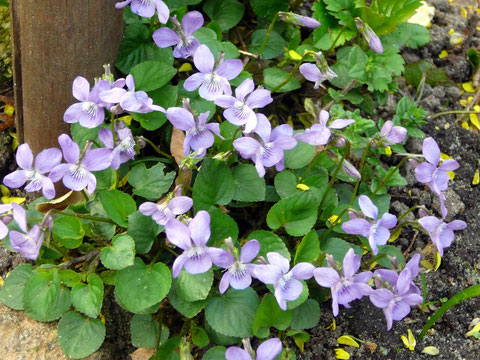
(6, 72)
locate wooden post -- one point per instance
(55, 41)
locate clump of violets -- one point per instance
(292, 18)
(196, 258)
(199, 134)
(181, 36)
(319, 133)
(286, 282)
(264, 146)
(344, 284)
(45, 162)
(239, 271)
(435, 176)
(267, 350)
(377, 231)
(318, 72)
(369, 35)
(440, 231)
(123, 149)
(168, 210)
(146, 8)
(396, 293)
(214, 75)
(76, 173)
(239, 109)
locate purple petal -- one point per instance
(73, 113)
(259, 99)
(113, 96)
(47, 160)
(58, 172)
(397, 135)
(413, 299)
(230, 69)
(179, 235)
(267, 274)
(200, 228)
(165, 37)
(3, 230)
(340, 123)
(214, 128)
(198, 264)
(81, 88)
(357, 227)
(48, 189)
(122, 4)
(249, 251)
(457, 225)
(363, 277)
(210, 90)
(424, 172)
(379, 236)
(105, 136)
(446, 237)
(449, 165)
(440, 181)
(412, 265)
(403, 282)
(163, 12)
(178, 264)
(381, 298)
(279, 296)
(351, 264)
(20, 216)
(400, 310)
(279, 261)
(326, 277)
(388, 220)
(263, 128)
(34, 186)
(142, 9)
(75, 182)
(386, 275)
(148, 208)
(181, 118)
(191, 22)
(235, 353)
(91, 183)
(311, 72)
(241, 281)
(221, 258)
(225, 101)
(269, 349)
(285, 142)
(98, 159)
(194, 81)
(245, 88)
(367, 207)
(24, 157)
(431, 151)
(70, 150)
(246, 146)
(15, 179)
(430, 223)
(303, 271)
(203, 59)
(224, 282)
(291, 290)
(130, 102)
(180, 205)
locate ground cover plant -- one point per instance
(232, 213)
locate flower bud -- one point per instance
(372, 39)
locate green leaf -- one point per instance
(269, 314)
(11, 293)
(166, 97)
(306, 316)
(140, 286)
(144, 331)
(120, 254)
(411, 35)
(213, 185)
(79, 336)
(117, 205)
(269, 242)
(227, 13)
(389, 251)
(215, 353)
(274, 47)
(272, 77)
(44, 298)
(232, 313)
(338, 248)
(150, 183)
(297, 213)
(248, 185)
(151, 75)
(175, 4)
(222, 226)
(168, 350)
(82, 134)
(309, 248)
(88, 298)
(193, 287)
(300, 156)
(267, 9)
(137, 46)
(188, 309)
(433, 75)
(144, 231)
(395, 12)
(285, 183)
(199, 337)
(68, 231)
(69, 277)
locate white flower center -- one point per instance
(90, 108)
(127, 145)
(284, 279)
(241, 109)
(213, 82)
(78, 172)
(33, 175)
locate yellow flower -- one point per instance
(341, 354)
(409, 342)
(347, 340)
(443, 54)
(294, 55)
(468, 87)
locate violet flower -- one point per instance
(76, 174)
(44, 163)
(264, 146)
(213, 76)
(181, 36)
(240, 108)
(131, 100)
(397, 293)
(90, 111)
(124, 148)
(267, 350)
(4, 208)
(392, 134)
(377, 232)
(146, 8)
(348, 167)
(196, 258)
(317, 73)
(372, 39)
(344, 284)
(30, 241)
(319, 133)
(441, 232)
(286, 283)
(199, 134)
(292, 18)
(239, 271)
(167, 211)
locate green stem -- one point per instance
(410, 210)
(335, 173)
(454, 112)
(291, 75)
(267, 36)
(155, 147)
(389, 176)
(83, 216)
(360, 170)
(310, 166)
(85, 195)
(169, 250)
(339, 34)
(160, 326)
